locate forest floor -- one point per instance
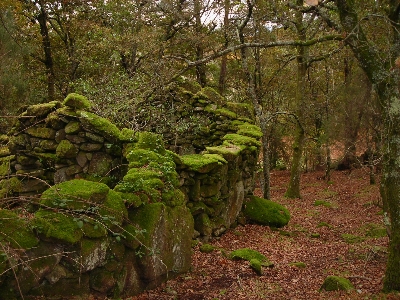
(338, 237)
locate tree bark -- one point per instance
(48, 58)
(385, 79)
(293, 190)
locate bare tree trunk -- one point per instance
(48, 58)
(224, 58)
(293, 190)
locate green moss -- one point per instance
(100, 125)
(130, 199)
(4, 151)
(43, 109)
(72, 127)
(336, 283)
(206, 248)
(5, 166)
(147, 217)
(75, 194)
(201, 163)
(113, 211)
(352, 239)
(131, 235)
(213, 95)
(298, 264)
(374, 230)
(323, 203)
(228, 152)
(225, 112)
(16, 231)
(151, 141)
(241, 109)
(66, 149)
(256, 265)
(141, 157)
(249, 254)
(128, 135)
(58, 226)
(250, 130)
(238, 139)
(324, 224)
(11, 185)
(41, 132)
(174, 197)
(266, 212)
(77, 101)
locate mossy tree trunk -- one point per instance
(293, 190)
(384, 73)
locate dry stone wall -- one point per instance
(90, 209)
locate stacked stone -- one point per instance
(217, 181)
(56, 142)
(201, 118)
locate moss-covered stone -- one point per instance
(336, 283)
(249, 254)
(16, 231)
(9, 186)
(266, 212)
(229, 152)
(238, 139)
(75, 194)
(206, 248)
(100, 125)
(202, 163)
(241, 109)
(72, 127)
(250, 130)
(151, 141)
(77, 101)
(40, 110)
(113, 211)
(213, 95)
(4, 151)
(5, 167)
(256, 265)
(128, 135)
(59, 226)
(66, 149)
(41, 132)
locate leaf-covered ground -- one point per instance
(334, 230)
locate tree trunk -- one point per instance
(200, 69)
(224, 58)
(48, 58)
(293, 190)
(385, 79)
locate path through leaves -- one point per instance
(335, 229)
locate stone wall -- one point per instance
(90, 209)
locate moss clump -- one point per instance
(324, 224)
(202, 163)
(322, 203)
(238, 139)
(256, 265)
(241, 109)
(336, 283)
(128, 135)
(206, 248)
(213, 95)
(266, 212)
(9, 186)
(75, 194)
(43, 109)
(113, 211)
(66, 149)
(352, 239)
(151, 141)
(41, 132)
(16, 231)
(59, 226)
(225, 112)
(77, 101)
(4, 151)
(228, 152)
(250, 130)
(298, 264)
(100, 125)
(374, 230)
(249, 254)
